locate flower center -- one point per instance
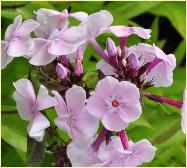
(115, 103)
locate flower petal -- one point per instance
(13, 27)
(5, 58)
(23, 107)
(45, 101)
(63, 124)
(172, 60)
(97, 22)
(130, 112)
(108, 152)
(40, 55)
(106, 68)
(61, 107)
(75, 99)
(37, 126)
(123, 31)
(107, 86)
(20, 46)
(86, 123)
(113, 122)
(81, 156)
(143, 150)
(81, 16)
(57, 20)
(25, 90)
(27, 27)
(183, 113)
(96, 106)
(60, 47)
(161, 75)
(128, 91)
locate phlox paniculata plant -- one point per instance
(116, 101)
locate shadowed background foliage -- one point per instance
(159, 124)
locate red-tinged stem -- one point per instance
(124, 139)
(99, 49)
(160, 99)
(122, 44)
(99, 139)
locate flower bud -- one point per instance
(79, 66)
(133, 61)
(111, 47)
(61, 71)
(79, 69)
(79, 55)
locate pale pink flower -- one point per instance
(160, 72)
(59, 43)
(17, 40)
(124, 31)
(51, 20)
(183, 113)
(97, 23)
(73, 116)
(115, 103)
(55, 38)
(93, 26)
(29, 107)
(114, 154)
(83, 156)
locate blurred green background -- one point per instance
(160, 125)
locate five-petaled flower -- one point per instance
(29, 107)
(116, 103)
(73, 116)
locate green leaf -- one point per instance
(161, 43)
(175, 12)
(14, 131)
(155, 29)
(140, 122)
(180, 51)
(17, 69)
(35, 152)
(91, 79)
(8, 108)
(11, 156)
(128, 10)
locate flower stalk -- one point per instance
(124, 139)
(99, 49)
(99, 139)
(160, 99)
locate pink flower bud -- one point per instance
(78, 68)
(80, 55)
(61, 71)
(111, 47)
(133, 61)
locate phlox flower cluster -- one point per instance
(94, 118)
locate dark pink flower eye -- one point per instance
(115, 103)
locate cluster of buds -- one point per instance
(116, 101)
